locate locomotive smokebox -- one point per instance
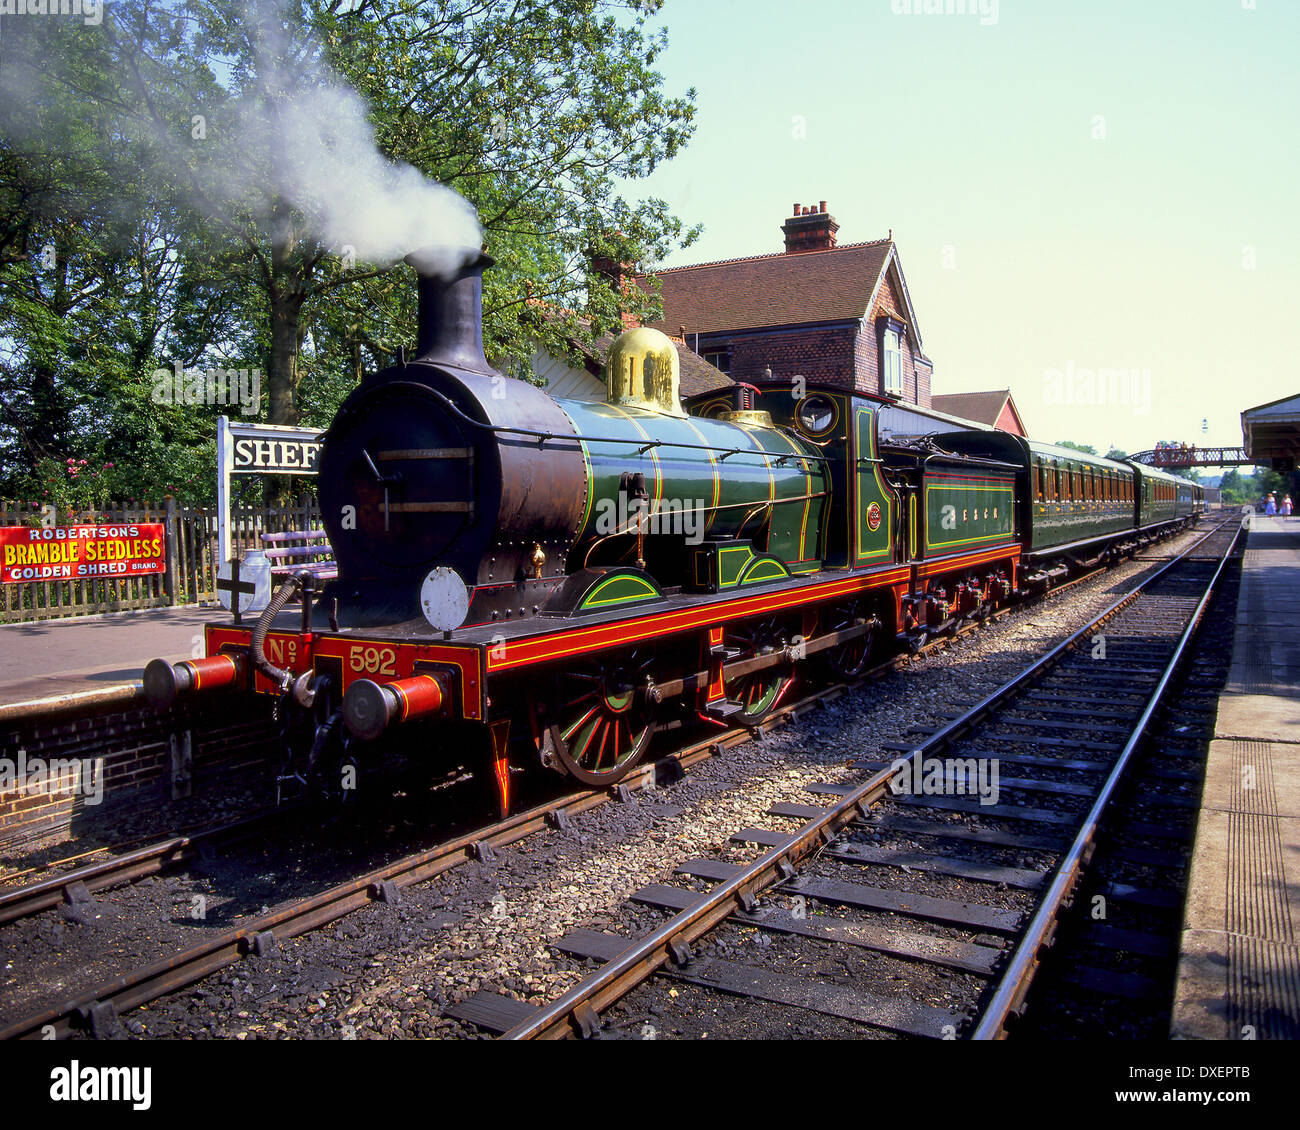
(450, 319)
(441, 461)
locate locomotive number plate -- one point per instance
(372, 660)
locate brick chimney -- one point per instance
(617, 273)
(810, 229)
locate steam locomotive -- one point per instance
(563, 577)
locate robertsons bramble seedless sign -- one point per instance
(69, 553)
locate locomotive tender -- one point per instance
(565, 576)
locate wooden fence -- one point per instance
(191, 574)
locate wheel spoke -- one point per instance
(601, 725)
(570, 731)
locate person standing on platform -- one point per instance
(1270, 507)
(1286, 507)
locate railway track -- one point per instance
(129, 863)
(962, 899)
(95, 1008)
(1120, 941)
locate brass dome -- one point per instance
(642, 370)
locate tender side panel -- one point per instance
(963, 512)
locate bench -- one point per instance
(300, 551)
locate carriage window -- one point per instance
(1038, 481)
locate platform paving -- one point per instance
(1239, 969)
(57, 657)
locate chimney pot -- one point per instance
(796, 207)
(811, 228)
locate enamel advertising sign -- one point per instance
(71, 553)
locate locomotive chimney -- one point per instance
(450, 318)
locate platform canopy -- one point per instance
(1272, 433)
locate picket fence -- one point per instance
(191, 573)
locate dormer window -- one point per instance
(891, 360)
(720, 360)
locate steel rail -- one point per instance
(1013, 984)
(575, 1011)
(169, 974)
(25, 901)
(44, 894)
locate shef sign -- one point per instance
(275, 456)
(72, 553)
(258, 449)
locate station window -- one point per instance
(892, 362)
(720, 360)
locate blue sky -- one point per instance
(1073, 186)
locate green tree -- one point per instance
(95, 283)
(178, 244)
(1086, 448)
(532, 109)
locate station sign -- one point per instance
(113, 550)
(258, 449)
(274, 456)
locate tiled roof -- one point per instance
(697, 375)
(771, 290)
(983, 407)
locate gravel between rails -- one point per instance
(388, 972)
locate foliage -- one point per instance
(1242, 489)
(127, 246)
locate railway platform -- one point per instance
(1239, 967)
(50, 658)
